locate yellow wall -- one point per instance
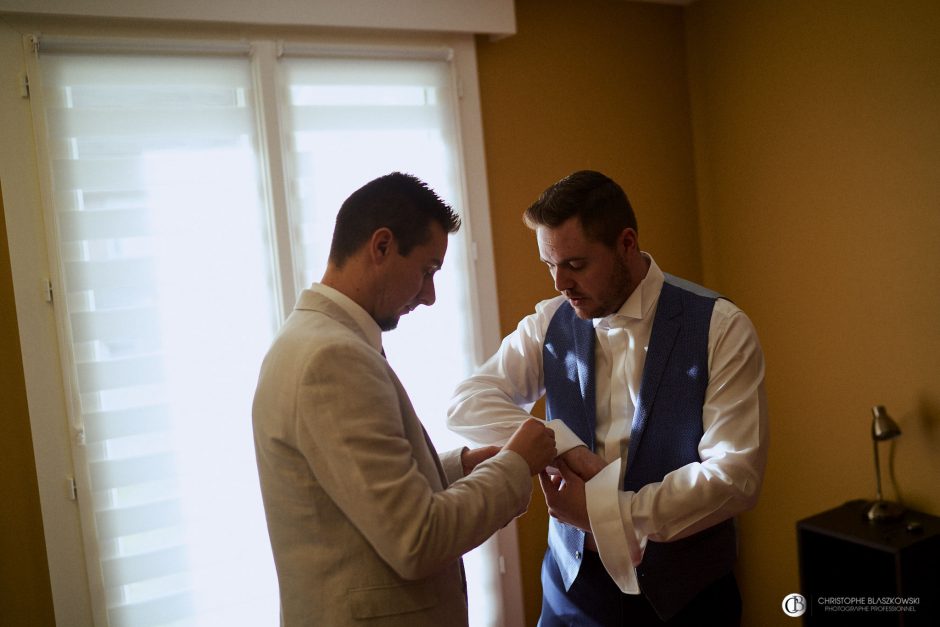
(815, 167)
(817, 128)
(25, 594)
(802, 135)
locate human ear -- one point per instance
(628, 240)
(381, 243)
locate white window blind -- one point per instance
(172, 285)
(350, 120)
(169, 304)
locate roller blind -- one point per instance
(162, 239)
(171, 287)
(350, 120)
(349, 117)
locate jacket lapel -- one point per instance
(310, 300)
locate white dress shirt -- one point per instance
(489, 406)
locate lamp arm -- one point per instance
(878, 495)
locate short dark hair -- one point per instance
(400, 202)
(597, 201)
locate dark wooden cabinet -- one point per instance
(857, 572)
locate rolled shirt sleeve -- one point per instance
(489, 406)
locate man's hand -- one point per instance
(583, 462)
(565, 498)
(471, 457)
(535, 442)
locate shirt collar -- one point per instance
(359, 315)
(640, 302)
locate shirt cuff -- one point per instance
(616, 547)
(565, 439)
(452, 463)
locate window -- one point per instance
(168, 302)
(189, 195)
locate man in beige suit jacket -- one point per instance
(367, 524)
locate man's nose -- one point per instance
(427, 296)
(562, 280)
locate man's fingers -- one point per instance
(566, 473)
(546, 482)
(551, 484)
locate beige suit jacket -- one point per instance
(367, 525)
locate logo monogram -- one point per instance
(794, 605)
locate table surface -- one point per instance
(848, 522)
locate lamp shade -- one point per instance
(882, 426)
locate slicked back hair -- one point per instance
(596, 200)
(400, 202)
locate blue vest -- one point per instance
(667, 428)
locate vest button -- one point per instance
(577, 555)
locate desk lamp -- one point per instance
(882, 428)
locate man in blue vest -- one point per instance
(655, 389)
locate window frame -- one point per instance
(35, 275)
